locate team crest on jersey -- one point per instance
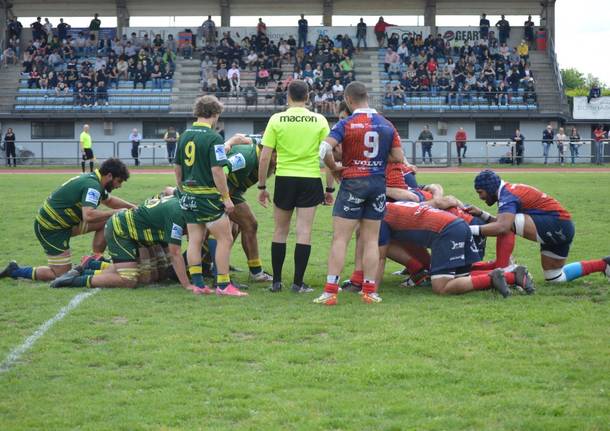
(93, 196)
(237, 162)
(219, 150)
(177, 232)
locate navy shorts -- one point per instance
(453, 250)
(361, 198)
(479, 240)
(554, 235)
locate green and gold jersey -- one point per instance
(242, 167)
(157, 221)
(199, 149)
(63, 208)
(296, 135)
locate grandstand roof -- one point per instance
(272, 7)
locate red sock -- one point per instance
(369, 287)
(331, 288)
(591, 266)
(484, 266)
(357, 277)
(510, 277)
(414, 266)
(480, 282)
(505, 245)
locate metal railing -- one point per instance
(558, 79)
(441, 153)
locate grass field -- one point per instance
(160, 358)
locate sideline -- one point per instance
(17, 352)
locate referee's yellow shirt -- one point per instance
(85, 138)
(296, 135)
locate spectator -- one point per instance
(361, 33)
(187, 50)
(261, 28)
(426, 138)
(562, 141)
(598, 137)
(9, 56)
(595, 92)
(303, 29)
(208, 30)
(140, 76)
(34, 79)
(548, 135)
(62, 88)
(484, 25)
(62, 30)
(234, 76)
(38, 29)
(528, 30)
(171, 138)
(88, 94)
(523, 50)
(280, 94)
(48, 29)
(460, 143)
(9, 147)
(519, 141)
(135, 138)
(157, 77)
(503, 29)
(380, 31)
(101, 94)
(170, 44)
(94, 27)
(574, 144)
(262, 77)
(391, 62)
(14, 28)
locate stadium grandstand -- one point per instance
(489, 82)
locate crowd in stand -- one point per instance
(326, 65)
(486, 68)
(87, 65)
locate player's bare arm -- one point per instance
(93, 215)
(118, 203)
(396, 155)
(401, 194)
(175, 255)
(503, 224)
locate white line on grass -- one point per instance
(16, 353)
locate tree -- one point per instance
(572, 79)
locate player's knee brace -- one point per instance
(519, 224)
(555, 275)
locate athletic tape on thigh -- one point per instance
(519, 224)
(59, 260)
(554, 275)
(129, 273)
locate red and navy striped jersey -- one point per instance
(402, 216)
(521, 198)
(366, 139)
(394, 176)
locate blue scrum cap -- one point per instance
(487, 180)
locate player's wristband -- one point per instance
(263, 187)
(475, 230)
(330, 189)
(485, 216)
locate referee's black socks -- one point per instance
(278, 254)
(301, 258)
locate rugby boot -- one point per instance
(349, 286)
(303, 288)
(9, 269)
(276, 287)
(261, 276)
(326, 299)
(498, 282)
(607, 271)
(230, 290)
(524, 279)
(371, 298)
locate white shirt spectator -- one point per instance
(338, 88)
(403, 51)
(233, 71)
(130, 50)
(100, 63)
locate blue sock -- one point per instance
(23, 272)
(573, 271)
(212, 249)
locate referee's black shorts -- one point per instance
(88, 154)
(297, 192)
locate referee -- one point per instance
(86, 148)
(295, 135)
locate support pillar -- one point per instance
(430, 16)
(122, 16)
(225, 13)
(550, 20)
(327, 12)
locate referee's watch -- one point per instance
(263, 187)
(330, 189)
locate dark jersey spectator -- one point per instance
(361, 33)
(503, 29)
(37, 29)
(528, 30)
(9, 147)
(62, 30)
(484, 27)
(548, 135)
(594, 92)
(303, 29)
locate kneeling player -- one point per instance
(453, 249)
(536, 216)
(157, 222)
(69, 211)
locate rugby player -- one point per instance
(367, 141)
(157, 222)
(452, 245)
(72, 210)
(295, 135)
(204, 193)
(536, 216)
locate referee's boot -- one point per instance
(276, 287)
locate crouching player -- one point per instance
(72, 210)
(156, 222)
(536, 216)
(452, 246)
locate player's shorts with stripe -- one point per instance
(88, 154)
(297, 192)
(200, 209)
(120, 248)
(361, 198)
(237, 195)
(54, 242)
(453, 250)
(554, 235)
